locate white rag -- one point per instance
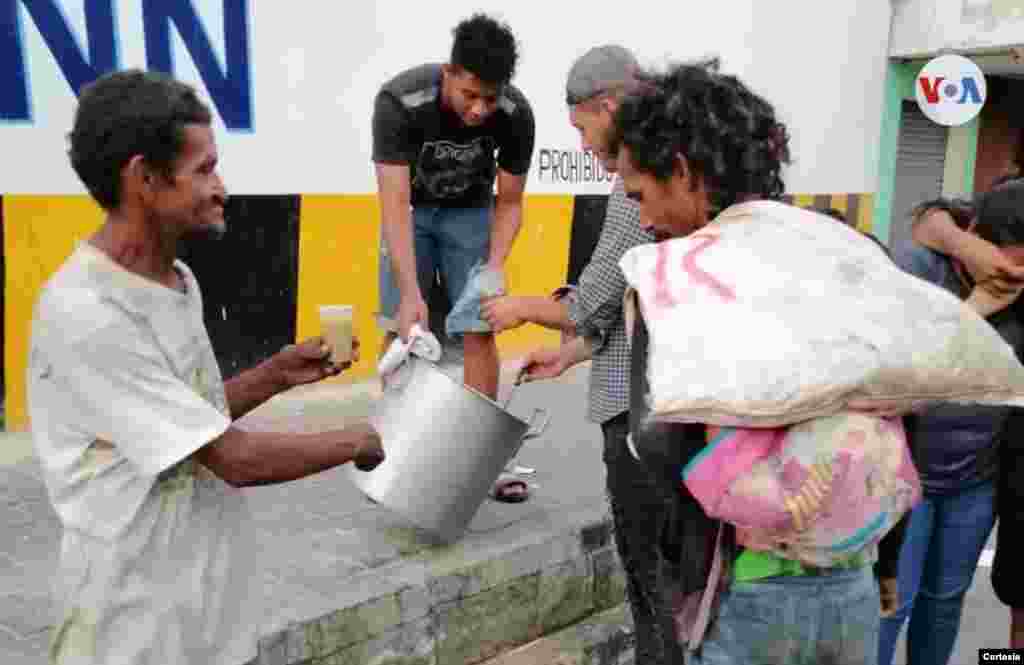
(421, 342)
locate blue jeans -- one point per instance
(940, 552)
(449, 241)
(825, 619)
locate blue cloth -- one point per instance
(827, 618)
(448, 243)
(944, 540)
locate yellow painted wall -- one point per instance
(803, 200)
(339, 236)
(338, 255)
(338, 262)
(865, 213)
(842, 202)
(40, 233)
(538, 264)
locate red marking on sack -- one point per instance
(662, 295)
(705, 278)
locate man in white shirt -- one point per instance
(130, 416)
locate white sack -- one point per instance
(773, 315)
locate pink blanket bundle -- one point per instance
(819, 491)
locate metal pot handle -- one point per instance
(537, 429)
(534, 431)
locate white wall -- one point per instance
(316, 67)
(924, 28)
(823, 65)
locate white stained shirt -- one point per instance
(123, 388)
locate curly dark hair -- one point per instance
(729, 136)
(485, 48)
(128, 113)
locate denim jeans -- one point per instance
(940, 553)
(830, 618)
(449, 241)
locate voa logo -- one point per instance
(950, 90)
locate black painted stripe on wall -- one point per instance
(852, 209)
(588, 212)
(249, 279)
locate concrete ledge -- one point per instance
(522, 572)
(347, 581)
(605, 638)
(463, 603)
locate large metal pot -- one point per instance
(446, 444)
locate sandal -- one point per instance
(509, 488)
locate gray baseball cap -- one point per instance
(597, 70)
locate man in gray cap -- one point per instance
(592, 309)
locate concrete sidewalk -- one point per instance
(348, 581)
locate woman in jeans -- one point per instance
(693, 144)
(956, 452)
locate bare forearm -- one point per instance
(577, 351)
(245, 459)
(937, 231)
(980, 304)
(396, 226)
(251, 388)
(986, 304)
(547, 312)
(395, 193)
(508, 219)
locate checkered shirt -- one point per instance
(595, 306)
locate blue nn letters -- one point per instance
(229, 87)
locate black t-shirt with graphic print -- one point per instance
(450, 165)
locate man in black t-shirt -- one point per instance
(443, 134)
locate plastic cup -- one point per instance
(336, 329)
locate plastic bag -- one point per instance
(483, 283)
(772, 315)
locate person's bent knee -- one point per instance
(946, 595)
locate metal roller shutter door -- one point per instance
(920, 162)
